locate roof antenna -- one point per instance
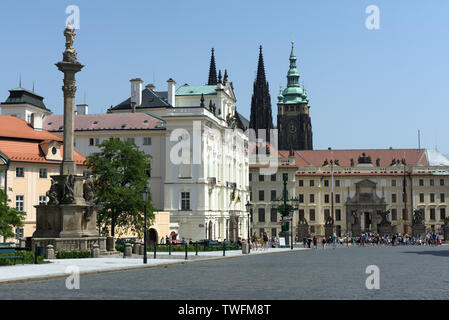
(33, 86)
(20, 80)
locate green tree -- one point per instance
(121, 171)
(10, 218)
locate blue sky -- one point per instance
(367, 88)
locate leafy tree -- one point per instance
(9, 217)
(121, 173)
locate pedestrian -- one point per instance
(315, 242)
(162, 240)
(261, 241)
(265, 240)
(323, 243)
(334, 240)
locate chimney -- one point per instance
(36, 122)
(171, 92)
(150, 86)
(81, 109)
(136, 91)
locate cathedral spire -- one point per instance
(260, 79)
(212, 71)
(261, 115)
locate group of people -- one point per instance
(262, 242)
(374, 239)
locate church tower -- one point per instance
(294, 123)
(261, 116)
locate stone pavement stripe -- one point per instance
(138, 267)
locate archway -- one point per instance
(152, 237)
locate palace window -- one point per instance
(442, 197)
(326, 183)
(393, 183)
(301, 183)
(441, 182)
(442, 213)
(394, 214)
(261, 178)
(432, 197)
(131, 140)
(337, 183)
(312, 183)
(147, 141)
(301, 198)
(273, 232)
(20, 173)
(421, 197)
(431, 182)
(261, 195)
(185, 200)
(20, 203)
(43, 173)
(337, 198)
(312, 198)
(338, 214)
(421, 182)
(91, 141)
(312, 215)
(42, 200)
(273, 195)
(393, 198)
(261, 214)
(432, 214)
(326, 198)
(327, 214)
(273, 215)
(273, 177)
(250, 177)
(97, 141)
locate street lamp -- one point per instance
(285, 208)
(248, 206)
(145, 196)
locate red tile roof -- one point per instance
(108, 121)
(316, 158)
(20, 142)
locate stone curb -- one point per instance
(163, 265)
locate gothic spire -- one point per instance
(260, 79)
(261, 115)
(212, 71)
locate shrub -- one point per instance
(120, 247)
(72, 254)
(29, 258)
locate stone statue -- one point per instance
(364, 159)
(53, 194)
(378, 162)
(70, 54)
(68, 192)
(355, 218)
(418, 217)
(302, 219)
(329, 220)
(88, 189)
(384, 215)
(325, 163)
(337, 162)
(352, 162)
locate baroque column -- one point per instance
(69, 66)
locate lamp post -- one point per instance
(248, 206)
(145, 196)
(285, 208)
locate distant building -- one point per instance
(29, 156)
(353, 186)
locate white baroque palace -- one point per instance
(199, 150)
